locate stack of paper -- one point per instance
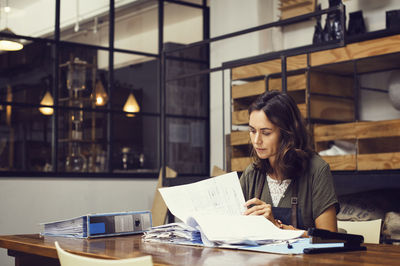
(75, 227)
(215, 208)
(176, 233)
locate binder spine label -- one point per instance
(123, 223)
(97, 228)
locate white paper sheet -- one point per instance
(218, 195)
(240, 229)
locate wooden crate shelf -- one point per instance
(387, 128)
(294, 8)
(325, 91)
(240, 117)
(240, 143)
(248, 89)
(377, 144)
(342, 162)
(359, 50)
(240, 138)
(379, 161)
(269, 67)
(327, 108)
(331, 84)
(239, 164)
(293, 83)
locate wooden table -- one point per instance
(37, 250)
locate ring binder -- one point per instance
(100, 225)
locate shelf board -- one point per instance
(240, 138)
(269, 67)
(294, 8)
(359, 50)
(248, 89)
(378, 161)
(239, 164)
(293, 83)
(341, 162)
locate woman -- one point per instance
(287, 182)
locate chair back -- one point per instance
(68, 259)
(370, 230)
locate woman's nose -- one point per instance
(257, 138)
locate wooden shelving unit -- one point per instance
(377, 144)
(324, 85)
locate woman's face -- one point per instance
(264, 135)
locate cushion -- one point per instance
(391, 225)
(369, 205)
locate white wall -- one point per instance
(22, 23)
(27, 202)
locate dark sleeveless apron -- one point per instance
(289, 216)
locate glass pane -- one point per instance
(22, 18)
(85, 21)
(182, 24)
(136, 26)
(25, 139)
(187, 146)
(187, 96)
(136, 77)
(27, 73)
(136, 143)
(81, 70)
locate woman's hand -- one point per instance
(258, 207)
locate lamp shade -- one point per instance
(9, 44)
(47, 100)
(131, 105)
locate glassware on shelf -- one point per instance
(126, 158)
(76, 161)
(356, 24)
(76, 119)
(76, 77)
(76, 82)
(318, 31)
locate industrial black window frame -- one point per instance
(160, 57)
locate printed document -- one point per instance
(215, 207)
(218, 195)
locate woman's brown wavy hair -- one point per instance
(294, 151)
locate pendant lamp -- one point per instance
(9, 44)
(100, 94)
(131, 105)
(47, 100)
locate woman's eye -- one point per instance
(266, 133)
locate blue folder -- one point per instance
(291, 247)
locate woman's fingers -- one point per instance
(258, 207)
(253, 201)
